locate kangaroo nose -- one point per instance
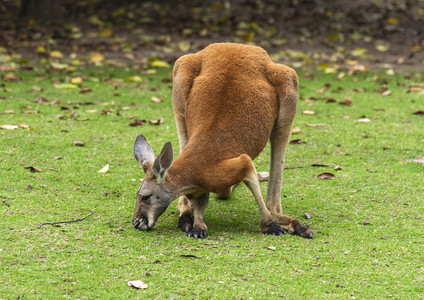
(136, 223)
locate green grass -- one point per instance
(96, 257)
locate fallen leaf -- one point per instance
(23, 125)
(78, 143)
(263, 176)
(308, 215)
(126, 108)
(41, 99)
(419, 113)
(346, 103)
(319, 166)
(11, 77)
(419, 159)
(96, 58)
(338, 168)
(138, 284)
(272, 248)
(363, 120)
(36, 89)
(156, 122)
(134, 79)
(33, 169)
(386, 93)
(56, 54)
(296, 130)
(365, 223)
(29, 112)
(386, 147)
(91, 111)
(106, 111)
(9, 127)
(316, 125)
(326, 175)
(105, 169)
(7, 112)
(156, 99)
(76, 80)
(83, 119)
(137, 122)
(57, 157)
(308, 112)
(297, 141)
(188, 256)
(160, 64)
(65, 86)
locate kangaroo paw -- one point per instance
(298, 228)
(197, 233)
(274, 229)
(185, 223)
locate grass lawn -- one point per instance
(367, 220)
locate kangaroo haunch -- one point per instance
(228, 100)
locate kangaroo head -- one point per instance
(153, 197)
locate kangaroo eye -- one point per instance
(144, 198)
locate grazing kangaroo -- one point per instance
(228, 99)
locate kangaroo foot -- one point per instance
(185, 223)
(273, 229)
(197, 233)
(300, 229)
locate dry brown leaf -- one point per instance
(156, 99)
(419, 159)
(419, 113)
(386, 93)
(41, 99)
(105, 169)
(316, 125)
(308, 112)
(7, 112)
(363, 120)
(308, 215)
(28, 112)
(263, 176)
(23, 125)
(106, 111)
(137, 122)
(326, 175)
(9, 127)
(138, 284)
(346, 103)
(33, 169)
(78, 143)
(338, 168)
(297, 141)
(296, 130)
(156, 122)
(365, 223)
(85, 89)
(36, 89)
(12, 77)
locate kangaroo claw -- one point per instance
(185, 223)
(197, 233)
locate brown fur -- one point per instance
(229, 100)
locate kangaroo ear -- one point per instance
(164, 161)
(143, 152)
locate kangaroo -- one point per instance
(228, 100)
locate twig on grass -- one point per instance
(61, 222)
